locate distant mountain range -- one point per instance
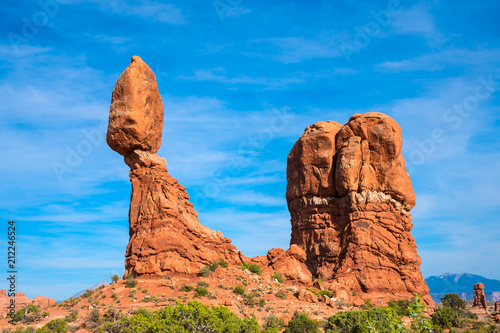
(463, 285)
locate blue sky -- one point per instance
(240, 80)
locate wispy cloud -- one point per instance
(418, 20)
(298, 49)
(443, 59)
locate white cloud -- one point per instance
(298, 49)
(417, 20)
(443, 59)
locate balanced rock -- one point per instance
(349, 196)
(136, 115)
(165, 234)
(479, 297)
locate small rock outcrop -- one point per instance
(349, 196)
(479, 297)
(22, 301)
(165, 234)
(497, 307)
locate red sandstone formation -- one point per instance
(348, 193)
(479, 297)
(349, 197)
(22, 301)
(497, 307)
(165, 234)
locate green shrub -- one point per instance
(301, 323)
(115, 278)
(205, 271)
(73, 316)
(453, 301)
(131, 282)
(239, 290)
(401, 307)
(223, 263)
(445, 317)
(186, 288)
(273, 324)
(382, 320)
(252, 267)
(30, 314)
(203, 284)
(281, 295)
(278, 277)
(194, 317)
(88, 293)
(262, 302)
(200, 291)
(56, 325)
(92, 319)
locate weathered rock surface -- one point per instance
(497, 307)
(479, 297)
(21, 301)
(165, 234)
(289, 263)
(349, 197)
(136, 115)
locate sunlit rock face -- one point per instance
(349, 196)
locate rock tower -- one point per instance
(349, 197)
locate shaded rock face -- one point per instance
(349, 197)
(497, 307)
(479, 297)
(165, 234)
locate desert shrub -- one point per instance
(326, 292)
(401, 307)
(382, 320)
(239, 290)
(88, 293)
(302, 323)
(445, 317)
(278, 277)
(200, 291)
(320, 293)
(205, 271)
(29, 314)
(73, 316)
(453, 301)
(56, 325)
(262, 302)
(223, 263)
(273, 324)
(131, 282)
(186, 288)
(250, 299)
(203, 284)
(281, 295)
(448, 318)
(252, 267)
(208, 269)
(194, 317)
(92, 319)
(115, 278)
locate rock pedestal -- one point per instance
(479, 297)
(349, 198)
(497, 307)
(165, 234)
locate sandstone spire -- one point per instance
(479, 297)
(349, 197)
(165, 234)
